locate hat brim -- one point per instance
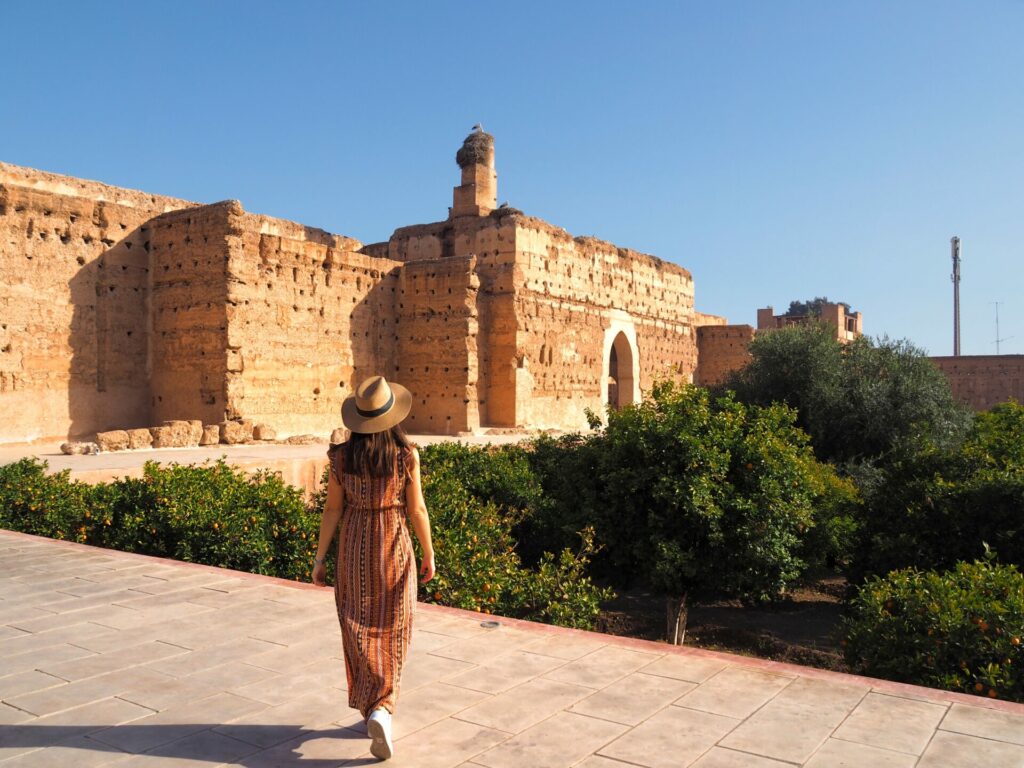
(356, 422)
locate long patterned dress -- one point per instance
(375, 583)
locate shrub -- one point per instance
(475, 550)
(961, 630)
(935, 507)
(216, 515)
(47, 505)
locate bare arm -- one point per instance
(328, 525)
(418, 517)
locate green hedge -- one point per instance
(219, 515)
(961, 630)
(213, 514)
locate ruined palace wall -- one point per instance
(188, 320)
(982, 381)
(722, 349)
(73, 305)
(491, 240)
(573, 292)
(308, 318)
(436, 326)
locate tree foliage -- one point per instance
(961, 629)
(694, 497)
(812, 307)
(858, 401)
(935, 506)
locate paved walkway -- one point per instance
(108, 658)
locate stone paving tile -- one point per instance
(597, 761)
(278, 689)
(292, 657)
(558, 742)
(263, 728)
(504, 672)
(80, 752)
(891, 722)
(633, 698)
(735, 692)
(70, 695)
(484, 648)
(797, 721)
(211, 656)
(450, 625)
(318, 748)
(442, 745)
(429, 641)
(426, 706)
(988, 723)
(108, 615)
(601, 667)
(719, 757)
(27, 682)
(34, 641)
(518, 708)
(847, 754)
(177, 722)
(24, 617)
(671, 738)
(70, 603)
(956, 750)
(10, 715)
(49, 656)
(229, 675)
(569, 647)
(101, 663)
(204, 748)
(695, 669)
(422, 668)
(166, 692)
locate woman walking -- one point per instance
(374, 483)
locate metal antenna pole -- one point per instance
(999, 339)
(955, 248)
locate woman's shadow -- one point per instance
(259, 745)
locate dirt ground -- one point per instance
(797, 629)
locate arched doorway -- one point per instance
(620, 372)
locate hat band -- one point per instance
(377, 411)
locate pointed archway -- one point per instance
(621, 365)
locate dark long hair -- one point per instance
(375, 454)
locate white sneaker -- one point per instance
(378, 725)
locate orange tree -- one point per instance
(936, 506)
(961, 629)
(698, 497)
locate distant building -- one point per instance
(848, 325)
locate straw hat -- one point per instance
(375, 406)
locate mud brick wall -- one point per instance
(982, 381)
(436, 328)
(73, 305)
(188, 313)
(574, 293)
(722, 350)
(491, 240)
(308, 318)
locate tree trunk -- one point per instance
(676, 611)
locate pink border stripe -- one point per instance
(649, 646)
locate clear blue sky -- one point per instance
(778, 150)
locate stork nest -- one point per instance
(476, 149)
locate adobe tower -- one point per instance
(478, 193)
